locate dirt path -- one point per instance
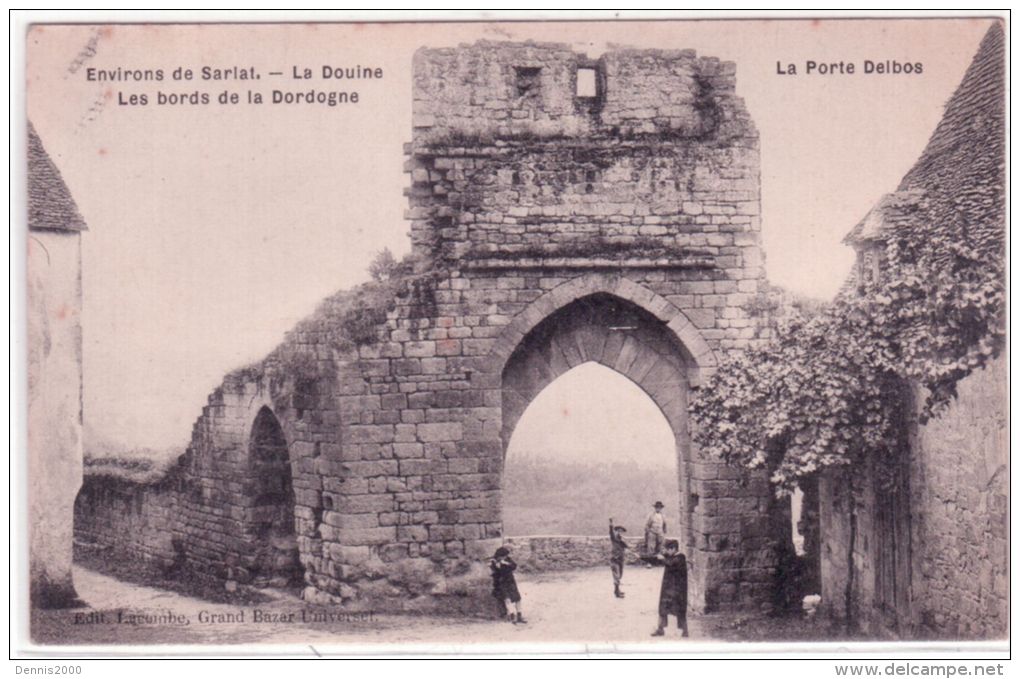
(573, 607)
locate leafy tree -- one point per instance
(818, 394)
(383, 266)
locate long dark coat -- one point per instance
(673, 594)
(504, 585)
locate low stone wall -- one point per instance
(127, 519)
(537, 553)
(141, 522)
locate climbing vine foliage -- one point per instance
(819, 394)
(831, 388)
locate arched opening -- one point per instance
(603, 359)
(591, 445)
(276, 562)
(727, 518)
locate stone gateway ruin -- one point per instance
(563, 210)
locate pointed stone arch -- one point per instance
(605, 329)
(723, 515)
(609, 319)
(703, 360)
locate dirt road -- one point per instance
(575, 607)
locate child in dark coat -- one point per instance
(504, 585)
(617, 556)
(673, 594)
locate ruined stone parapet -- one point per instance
(494, 90)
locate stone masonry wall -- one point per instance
(960, 501)
(950, 530)
(129, 521)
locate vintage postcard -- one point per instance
(665, 336)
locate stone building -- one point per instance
(54, 377)
(562, 210)
(930, 547)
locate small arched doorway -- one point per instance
(276, 560)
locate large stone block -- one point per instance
(369, 433)
(368, 536)
(440, 431)
(412, 533)
(364, 503)
(343, 520)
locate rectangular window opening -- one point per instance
(587, 83)
(527, 79)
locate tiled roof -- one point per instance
(891, 209)
(50, 206)
(959, 178)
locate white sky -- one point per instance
(594, 426)
(214, 229)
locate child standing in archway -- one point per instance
(504, 585)
(618, 554)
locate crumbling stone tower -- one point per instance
(562, 210)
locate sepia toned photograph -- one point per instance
(658, 336)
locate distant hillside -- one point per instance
(543, 497)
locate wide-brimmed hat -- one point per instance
(658, 504)
(620, 528)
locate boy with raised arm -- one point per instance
(617, 556)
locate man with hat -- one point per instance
(655, 531)
(673, 592)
